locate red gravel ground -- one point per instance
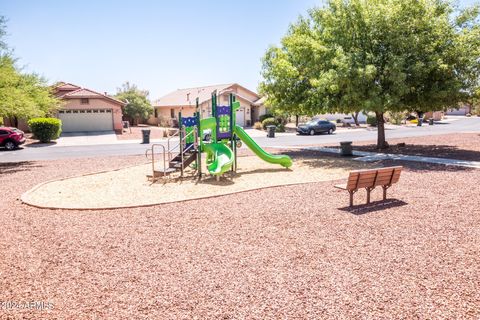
(284, 252)
(462, 146)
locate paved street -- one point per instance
(50, 152)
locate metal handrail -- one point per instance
(152, 150)
(184, 138)
(168, 144)
(169, 149)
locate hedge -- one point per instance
(372, 120)
(269, 122)
(45, 129)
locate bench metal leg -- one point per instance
(385, 192)
(351, 197)
(368, 194)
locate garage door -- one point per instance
(86, 120)
(240, 118)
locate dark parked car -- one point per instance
(11, 138)
(316, 126)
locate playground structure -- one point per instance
(220, 148)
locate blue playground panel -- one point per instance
(223, 122)
(189, 121)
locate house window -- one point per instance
(172, 113)
(84, 101)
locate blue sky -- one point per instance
(158, 45)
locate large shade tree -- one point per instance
(375, 56)
(22, 95)
(138, 107)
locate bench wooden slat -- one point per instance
(369, 179)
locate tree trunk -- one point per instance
(381, 143)
(15, 121)
(420, 118)
(355, 118)
(296, 120)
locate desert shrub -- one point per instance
(265, 116)
(269, 122)
(45, 129)
(164, 122)
(372, 120)
(396, 117)
(280, 128)
(281, 119)
(258, 125)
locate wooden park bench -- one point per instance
(369, 179)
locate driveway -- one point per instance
(86, 138)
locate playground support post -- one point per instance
(180, 136)
(214, 112)
(233, 141)
(199, 136)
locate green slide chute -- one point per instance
(282, 160)
(219, 158)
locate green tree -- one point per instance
(375, 56)
(138, 107)
(22, 95)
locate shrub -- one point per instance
(396, 117)
(281, 119)
(45, 129)
(269, 122)
(372, 120)
(265, 116)
(258, 125)
(280, 128)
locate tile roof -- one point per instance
(179, 97)
(66, 86)
(71, 91)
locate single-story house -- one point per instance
(87, 110)
(168, 107)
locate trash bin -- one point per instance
(146, 135)
(271, 131)
(430, 121)
(346, 148)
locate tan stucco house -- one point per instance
(168, 106)
(87, 110)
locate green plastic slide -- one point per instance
(282, 160)
(220, 156)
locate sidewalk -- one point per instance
(372, 156)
